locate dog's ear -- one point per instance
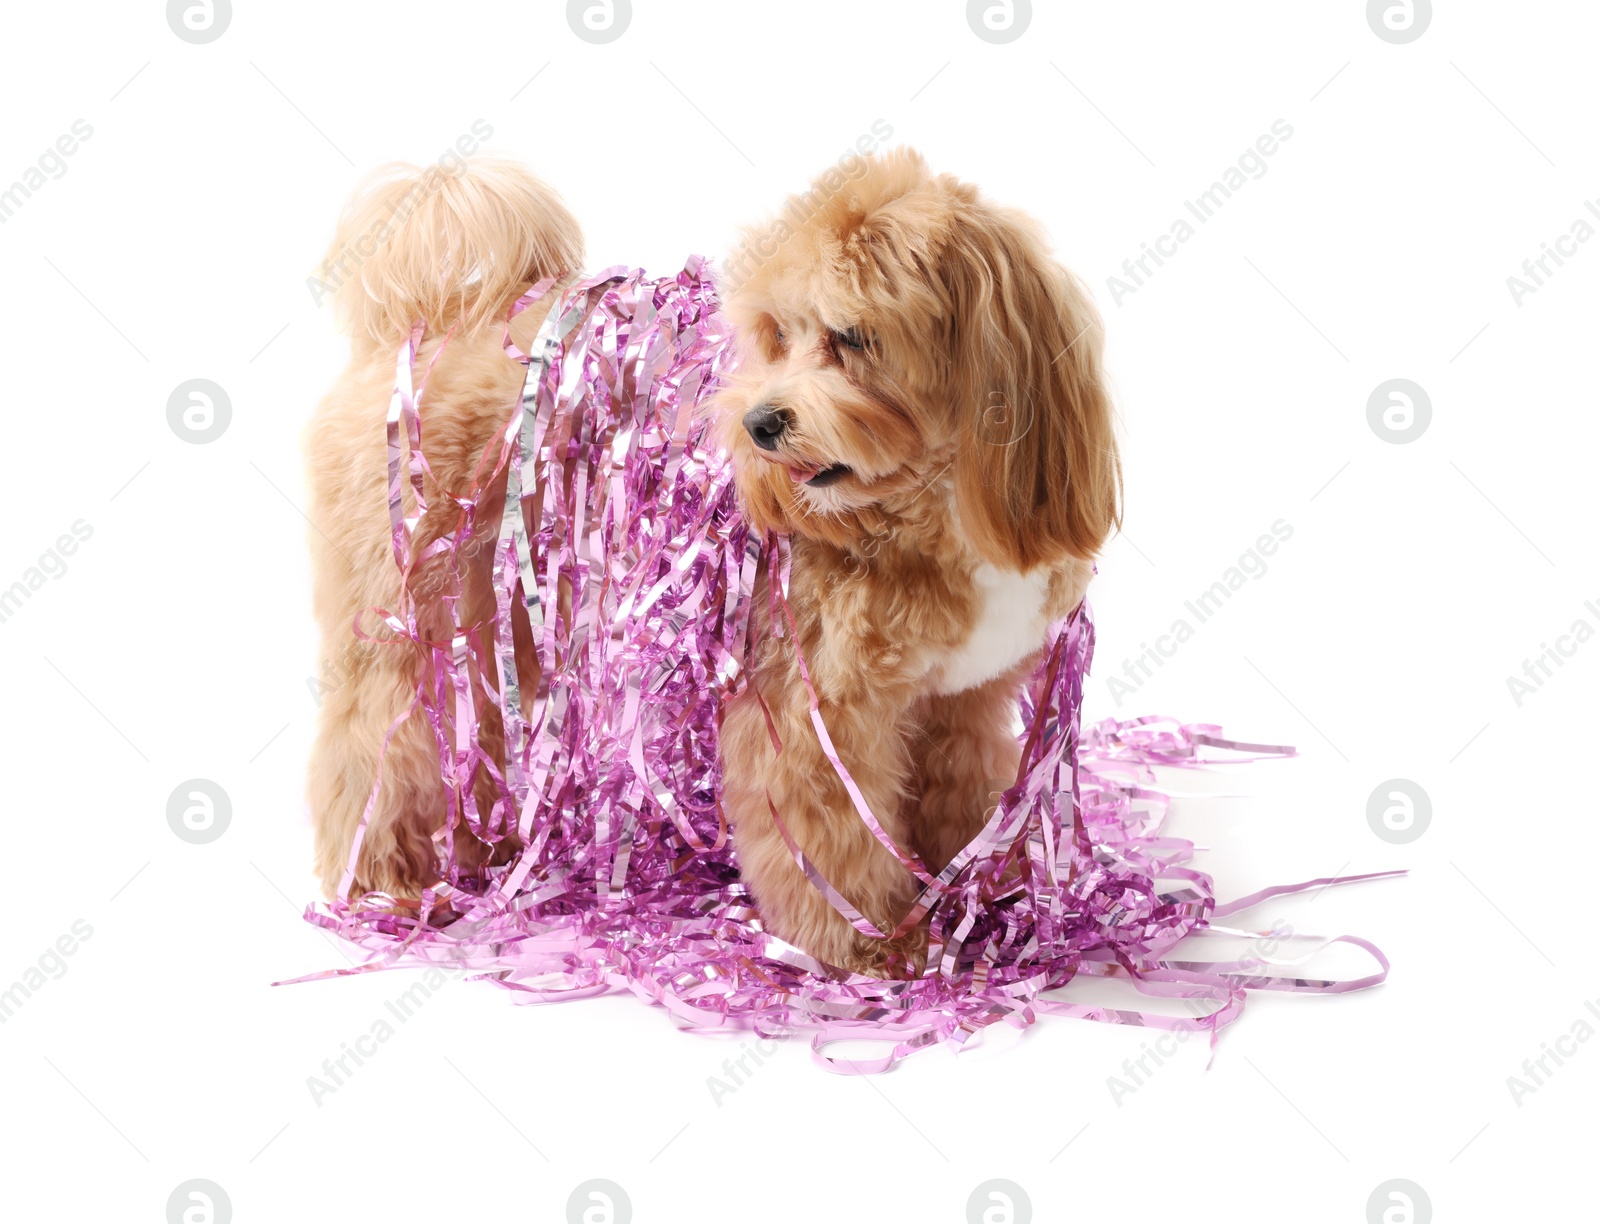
(1037, 474)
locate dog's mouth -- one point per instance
(812, 475)
(819, 478)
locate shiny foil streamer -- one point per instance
(622, 543)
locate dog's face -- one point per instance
(897, 334)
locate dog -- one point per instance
(917, 403)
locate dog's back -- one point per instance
(451, 251)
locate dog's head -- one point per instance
(899, 335)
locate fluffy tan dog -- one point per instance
(918, 405)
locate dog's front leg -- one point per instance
(868, 728)
(965, 752)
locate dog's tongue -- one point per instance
(801, 475)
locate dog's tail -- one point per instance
(451, 247)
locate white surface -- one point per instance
(1379, 639)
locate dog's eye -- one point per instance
(851, 338)
(778, 338)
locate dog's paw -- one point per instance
(905, 957)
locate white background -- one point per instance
(178, 643)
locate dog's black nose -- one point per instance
(765, 425)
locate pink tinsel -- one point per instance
(626, 876)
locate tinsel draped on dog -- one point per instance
(732, 650)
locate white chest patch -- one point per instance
(1010, 626)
